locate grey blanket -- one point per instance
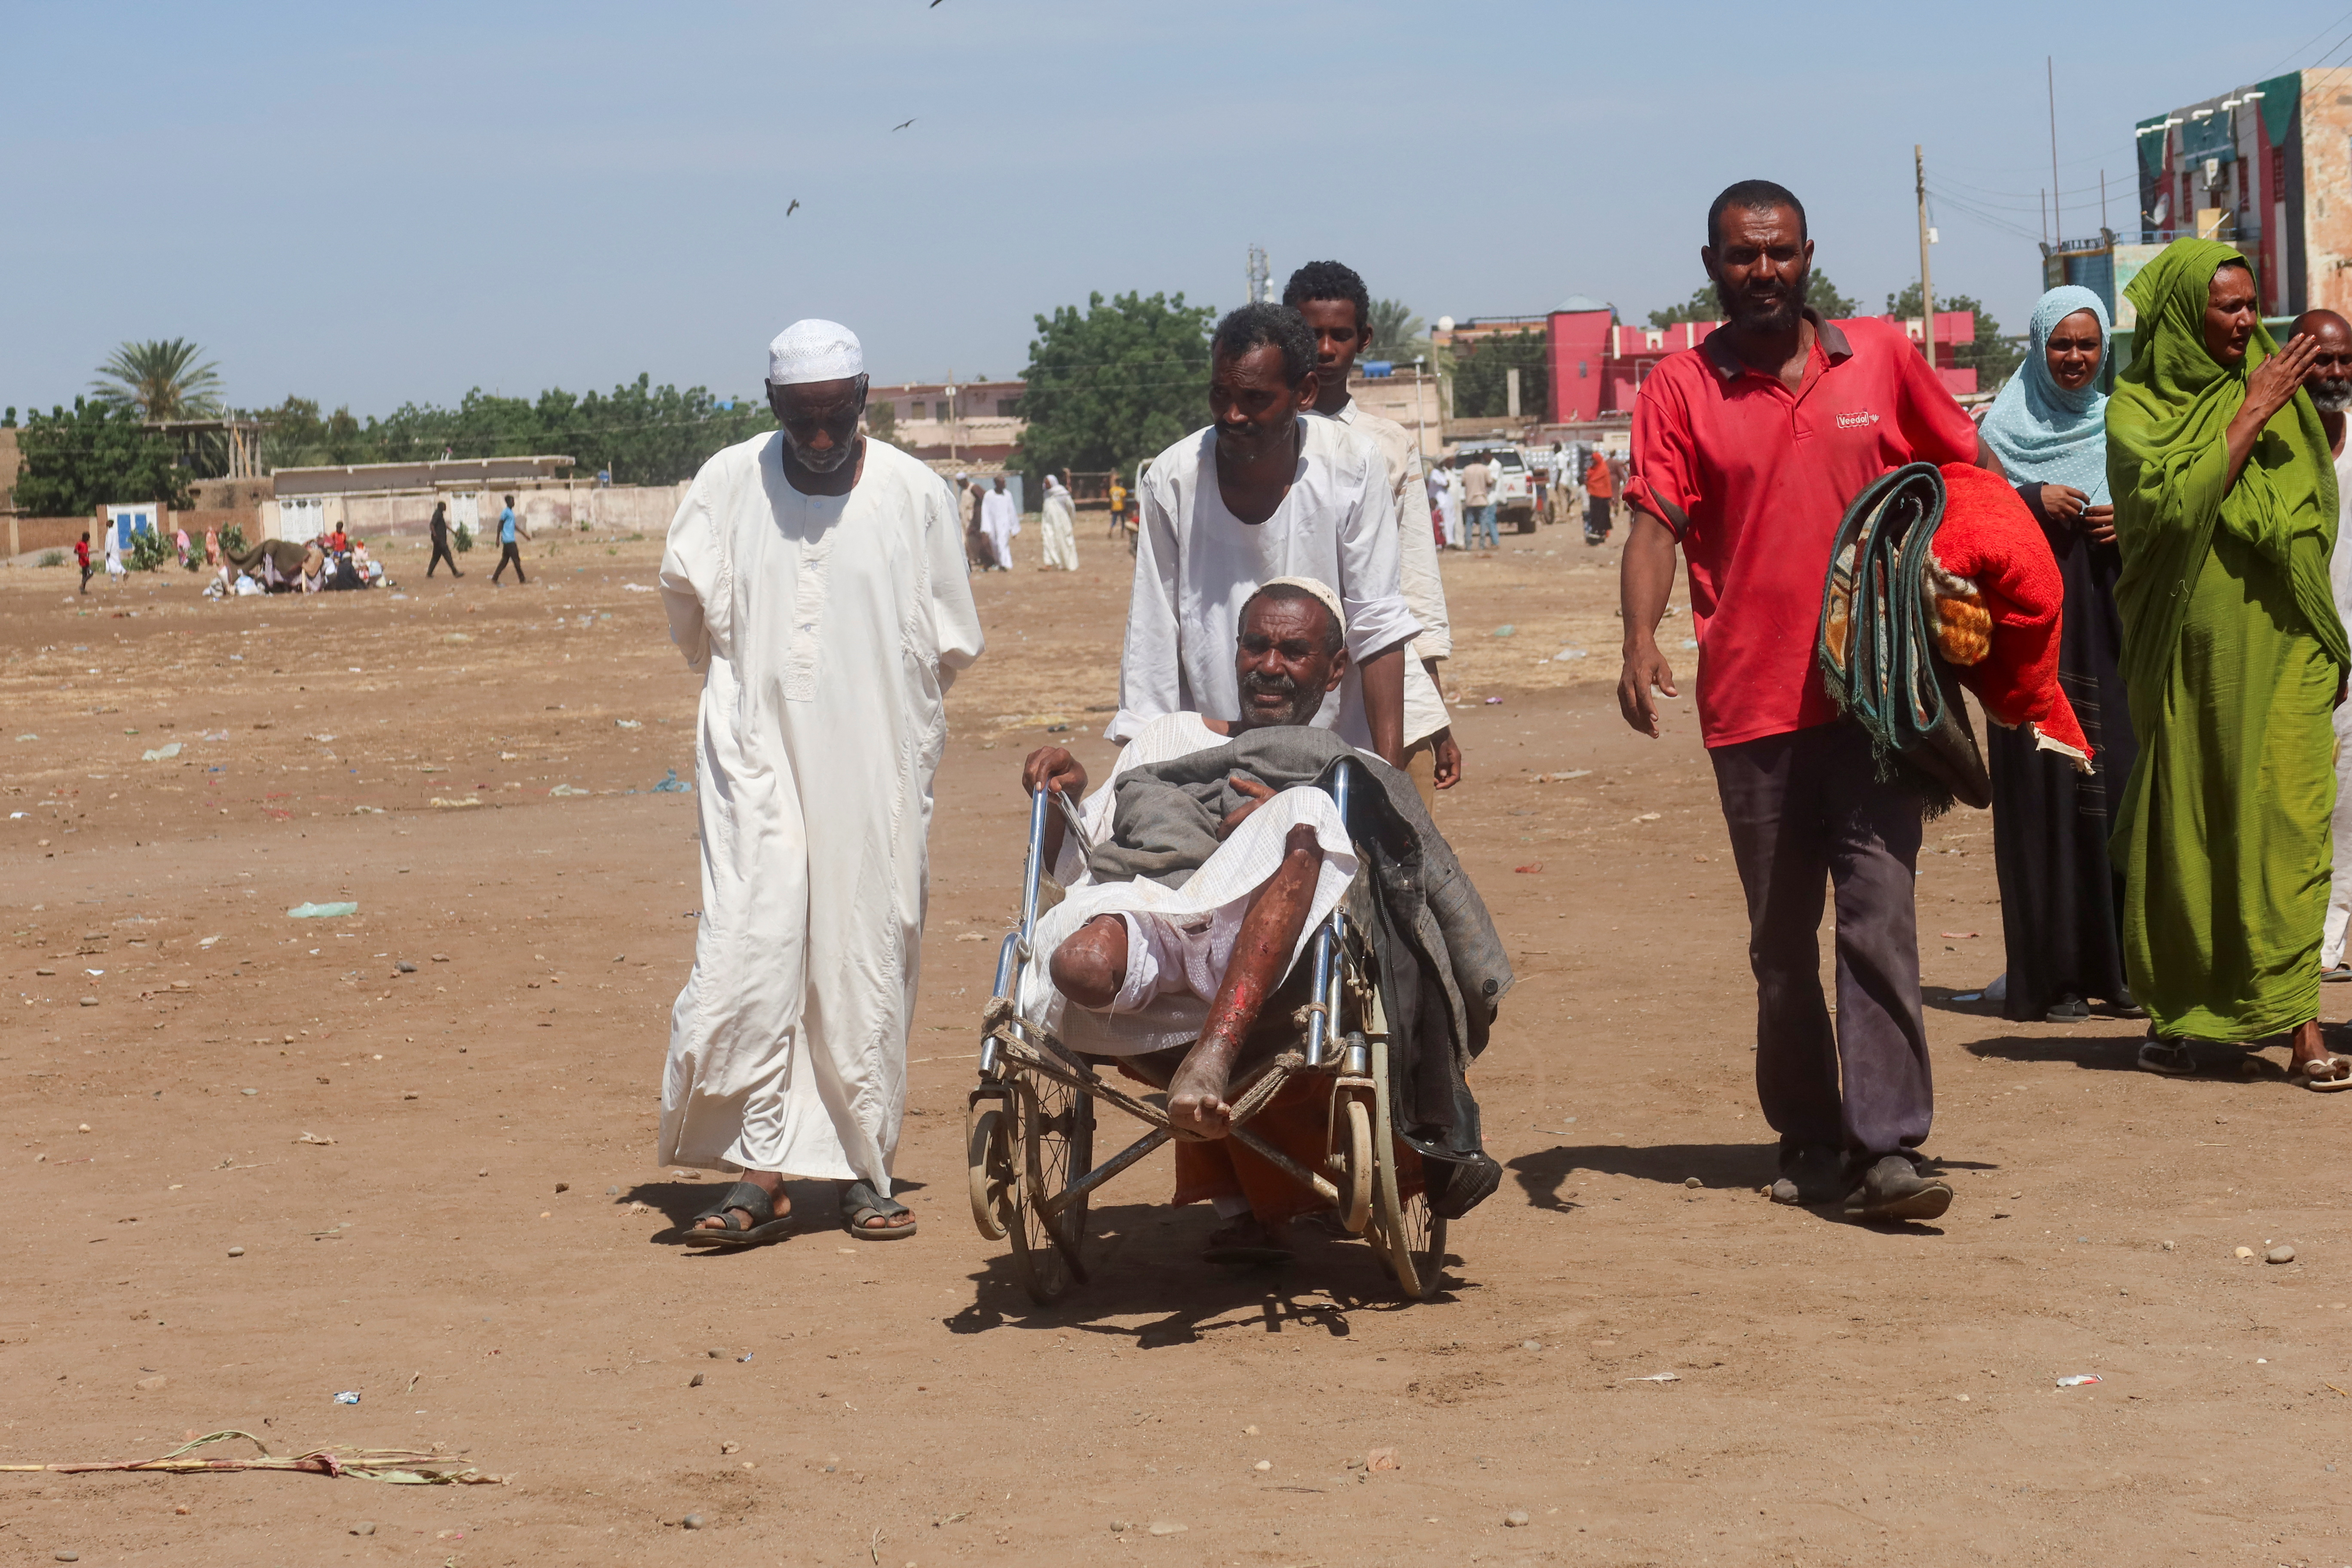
(1444, 969)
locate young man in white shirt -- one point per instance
(1266, 491)
(1338, 308)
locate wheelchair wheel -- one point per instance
(1409, 1239)
(1353, 1156)
(1049, 1138)
(987, 1164)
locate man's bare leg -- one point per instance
(1196, 1096)
(2306, 1044)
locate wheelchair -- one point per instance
(1030, 1122)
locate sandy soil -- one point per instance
(472, 1240)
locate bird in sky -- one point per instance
(902, 126)
(794, 208)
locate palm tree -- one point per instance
(161, 378)
(1395, 330)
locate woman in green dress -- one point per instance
(2234, 658)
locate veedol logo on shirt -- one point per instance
(1862, 421)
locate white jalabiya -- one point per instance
(1000, 523)
(1417, 570)
(1196, 565)
(829, 628)
(1058, 525)
(1178, 940)
(2339, 886)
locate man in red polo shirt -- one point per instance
(1747, 451)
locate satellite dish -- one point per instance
(1445, 324)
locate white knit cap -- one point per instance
(814, 350)
(1322, 592)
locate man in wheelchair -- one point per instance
(1197, 879)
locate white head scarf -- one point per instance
(1321, 591)
(1051, 484)
(814, 350)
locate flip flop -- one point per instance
(2171, 1058)
(765, 1226)
(860, 1203)
(2323, 1075)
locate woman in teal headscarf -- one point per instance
(2060, 898)
(2225, 512)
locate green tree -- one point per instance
(1114, 384)
(161, 378)
(1396, 332)
(1482, 382)
(1704, 306)
(94, 455)
(1993, 357)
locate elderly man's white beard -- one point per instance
(2332, 397)
(817, 463)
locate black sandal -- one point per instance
(752, 1200)
(860, 1203)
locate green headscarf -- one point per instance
(2167, 460)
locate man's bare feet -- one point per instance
(2306, 1044)
(1196, 1095)
(769, 1182)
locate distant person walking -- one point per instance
(976, 555)
(1117, 506)
(1599, 493)
(81, 558)
(1058, 523)
(1478, 501)
(509, 553)
(1000, 522)
(2330, 385)
(439, 528)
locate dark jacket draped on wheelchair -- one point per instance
(1444, 973)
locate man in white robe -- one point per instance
(1000, 521)
(816, 579)
(1057, 522)
(1338, 308)
(1268, 492)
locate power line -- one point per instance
(2315, 38)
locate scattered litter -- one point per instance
(1564, 655)
(673, 785)
(457, 804)
(2079, 1380)
(307, 911)
(638, 588)
(1647, 817)
(1689, 644)
(628, 724)
(1529, 869)
(1166, 1527)
(1967, 996)
(1516, 1519)
(314, 1138)
(348, 1396)
(28, 737)
(1563, 778)
(1381, 1459)
(565, 789)
(215, 735)
(1657, 1377)
(1959, 935)
(93, 972)
(1503, 631)
(1493, 702)
(161, 754)
(457, 636)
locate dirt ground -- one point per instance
(439, 1179)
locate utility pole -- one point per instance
(952, 414)
(1420, 425)
(1926, 280)
(2057, 224)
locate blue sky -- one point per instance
(370, 205)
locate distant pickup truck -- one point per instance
(1515, 498)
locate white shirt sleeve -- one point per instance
(1418, 575)
(955, 618)
(1149, 681)
(694, 579)
(1371, 587)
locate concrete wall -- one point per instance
(28, 533)
(620, 508)
(2327, 189)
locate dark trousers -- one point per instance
(508, 556)
(1596, 515)
(1805, 808)
(441, 553)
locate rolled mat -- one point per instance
(1879, 644)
